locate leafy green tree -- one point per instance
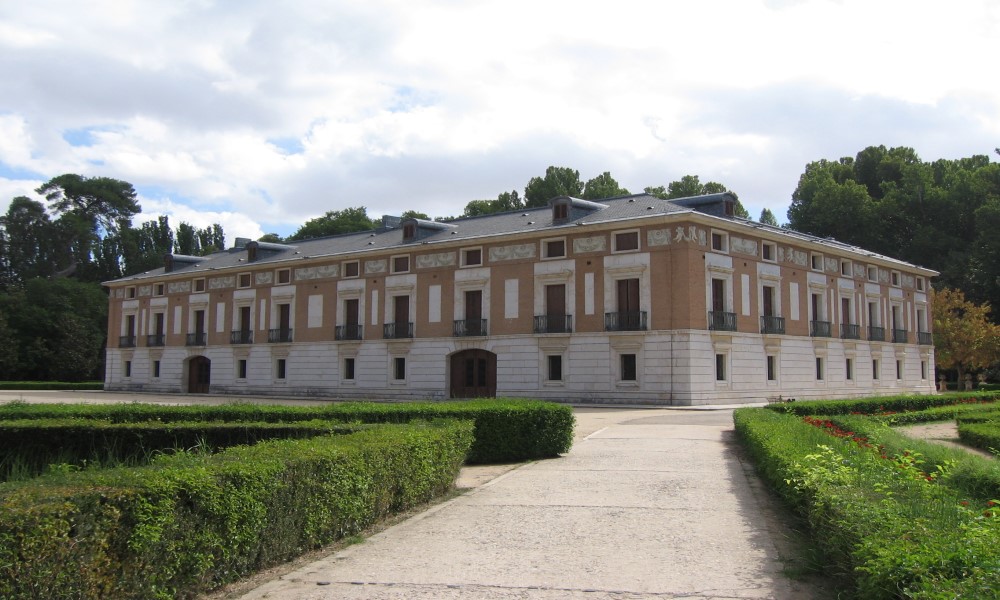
(603, 186)
(335, 222)
(691, 185)
(8, 347)
(413, 214)
(964, 337)
(558, 181)
(767, 217)
(186, 242)
(211, 239)
(143, 247)
(28, 240)
(273, 238)
(505, 202)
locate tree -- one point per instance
(964, 337)
(335, 222)
(211, 239)
(412, 214)
(28, 240)
(272, 238)
(187, 241)
(691, 185)
(558, 181)
(603, 186)
(767, 217)
(506, 201)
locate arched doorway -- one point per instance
(473, 374)
(199, 375)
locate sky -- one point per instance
(260, 115)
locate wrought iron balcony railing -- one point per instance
(126, 341)
(397, 331)
(924, 338)
(772, 324)
(876, 334)
(155, 339)
(819, 328)
(850, 331)
(279, 336)
(625, 321)
(721, 321)
(199, 338)
(900, 336)
(470, 327)
(241, 336)
(554, 324)
(348, 332)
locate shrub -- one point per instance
(882, 404)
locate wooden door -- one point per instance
(473, 374)
(199, 375)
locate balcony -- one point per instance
(196, 339)
(352, 331)
(470, 327)
(721, 321)
(279, 336)
(924, 338)
(126, 341)
(819, 328)
(900, 336)
(772, 325)
(849, 331)
(155, 339)
(554, 324)
(241, 336)
(876, 334)
(397, 331)
(625, 321)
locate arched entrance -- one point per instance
(199, 375)
(473, 374)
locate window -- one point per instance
(472, 257)
(284, 275)
(130, 293)
(768, 252)
(399, 368)
(349, 368)
(555, 368)
(720, 241)
(875, 369)
(243, 280)
(199, 285)
(628, 371)
(894, 278)
(846, 268)
(401, 264)
(280, 369)
(899, 369)
(920, 284)
(560, 212)
(241, 369)
(158, 289)
(849, 368)
(128, 368)
(720, 367)
(554, 248)
(351, 269)
(626, 241)
(923, 369)
(409, 231)
(872, 273)
(816, 262)
(772, 372)
(819, 368)
(156, 369)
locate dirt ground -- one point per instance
(945, 433)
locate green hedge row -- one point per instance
(879, 520)
(985, 435)
(506, 430)
(28, 447)
(882, 404)
(51, 385)
(188, 522)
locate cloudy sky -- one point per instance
(260, 115)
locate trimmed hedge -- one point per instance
(882, 404)
(51, 385)
(27, 447)
(985, 435)
(506, 430)
(188, 523)
(879, 520)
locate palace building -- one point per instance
(628, 300)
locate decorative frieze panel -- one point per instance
(264, 278)
(658, 237)
(375, 267)
(516, 252)
(883, 276)
(179, 287)
(797, 257)
(743, 246)
(832, 265)
(597, 243)
(320, 272)
(859, 271)
(145, 290)
(218, 283)
(430, 261)
(691, 234)
(120, 293)
(908, 281)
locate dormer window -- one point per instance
(409, 231)
(560, 212)
(251, 251)
(730, 207)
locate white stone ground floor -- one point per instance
(680, 368)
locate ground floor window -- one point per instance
(156, 368)
(241, 368)
(128, 368)
(555, 367)
(875, 369)
(280, 369)
(819, 368)
(849, 367)
(923, 369)
(720, 367)
(399, 368)
(899, 369)
(628, 370)
(772, 371)
(349, 368)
